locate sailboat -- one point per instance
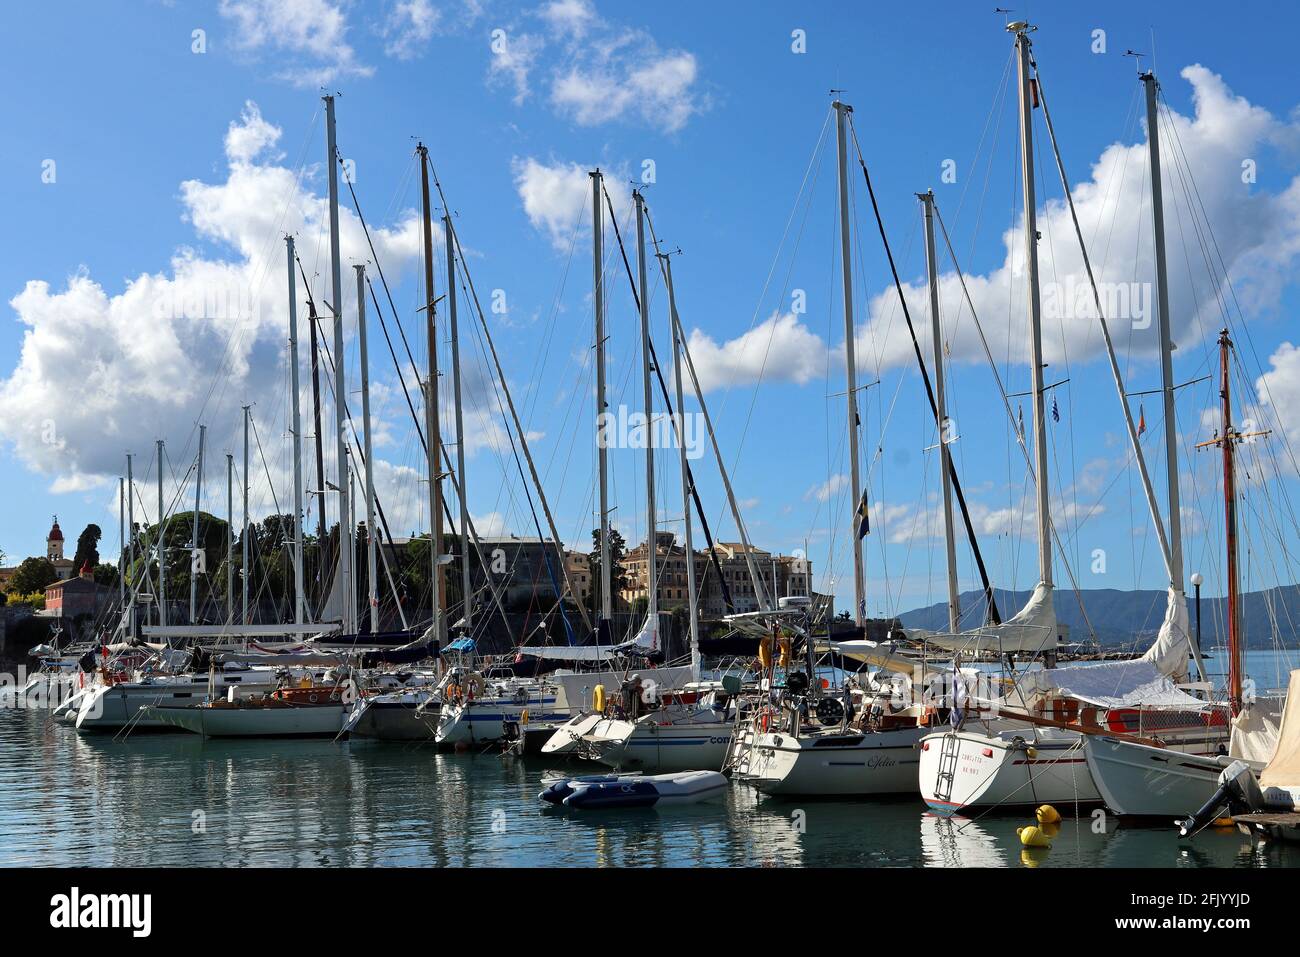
(1141, 780)
(1041, 759)
(863, 740)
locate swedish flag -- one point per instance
(863, 515)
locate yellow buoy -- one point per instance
(1032, 836)
(598, 698)
(1047, 814)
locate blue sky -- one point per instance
(150, 181)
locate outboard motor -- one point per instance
(1237, 789)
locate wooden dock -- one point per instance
(1274, 826)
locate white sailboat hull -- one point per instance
(113, 707)
(833, 765)
(658, 748)
(312, 721)
(484, 720)
(1014, 769)
(1136, 780)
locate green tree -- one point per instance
(618, 580)
(87, 548)
(32, 576)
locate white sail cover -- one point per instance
(645, 642)
(1255, 732)
(1173, 644)
(1283, 769)
(883, 657)
(1111, 684)
(332, 610)
(1031, 630)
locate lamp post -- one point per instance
(1196, 586)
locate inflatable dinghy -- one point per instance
(557, 789)
(688, 787)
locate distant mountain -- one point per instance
(1123, 618)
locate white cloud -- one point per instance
(599, 71)
(1256, 231)
(513, 57)
(310, 33)
(556, 196)
(780, 349)
(409, 24)
(248, 136)
(1279, 392)
(828, 489)
(101, 372)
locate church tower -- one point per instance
(54, 542)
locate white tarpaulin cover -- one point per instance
(1283, 769)
(1111, 684)
(1173, 645)
(1256, 730)
(1030, 630)
(883, 657)
(645, 642)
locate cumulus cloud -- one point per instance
(779, 349)
(828, 489)
(1257, 233)
(556, 196)
(310, 33)
(1279, 390)
(100, 372)
(600, 71)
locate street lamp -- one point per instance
(1196, 585)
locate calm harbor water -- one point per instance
(67, 799)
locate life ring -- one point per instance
(313, 698)
(453, 692)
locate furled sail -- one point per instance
(1170, 651)
(1029, 631)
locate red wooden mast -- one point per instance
(1227, 442)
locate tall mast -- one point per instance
(230, 539)
(1021, 30)
(121, 551)
(1152, 88)
(652, 571)
(842, 110)
(679, 419)
(244, 576)
(336, 307)
(941, 413)
(130, 524)
(162, 568)
(433, 428)
(372, 567)
(299, 598)
(602, 434)
(194, 528)
(320, 451)
(1166, 340)
(466, 590)
(1228, 442)
(737, 517)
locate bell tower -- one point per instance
(54, 542)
